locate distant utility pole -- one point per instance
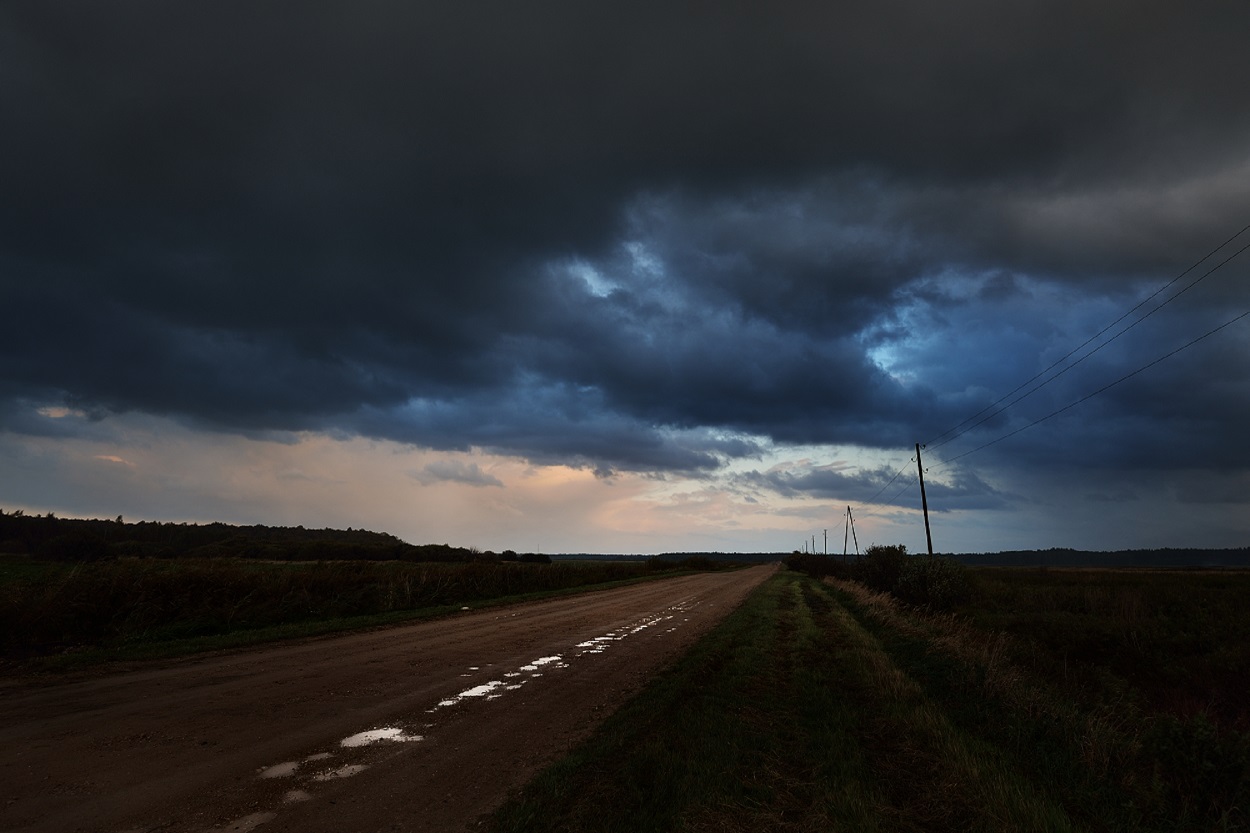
(850, 527)
(846, 530)
(826, 542)
(924, 501)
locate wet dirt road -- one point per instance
(415, 728)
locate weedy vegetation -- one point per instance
(922, 695)
(75, 592)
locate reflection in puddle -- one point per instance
(492, 690)
(538, 663)
(375, 735)
(477, 691)
(281, 770)
(601, 643)
(342, 772)
(287, 768)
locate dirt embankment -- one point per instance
(420, 727)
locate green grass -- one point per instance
(827, 706)
(791, 715)
(735, 737)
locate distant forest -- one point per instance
(68, 539)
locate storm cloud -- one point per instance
(653, 239)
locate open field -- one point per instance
(1049, 702)
(63, 614)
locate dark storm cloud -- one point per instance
(880, 487)
(631, 239)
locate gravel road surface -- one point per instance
(420, 727)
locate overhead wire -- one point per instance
(872, 500)
(993, 410)
(955, 432)
(1104, 388)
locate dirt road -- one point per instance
(413, 728)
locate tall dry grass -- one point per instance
(110, 602)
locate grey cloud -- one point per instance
(456, 471)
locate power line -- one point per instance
(873, 499)
(993, 407)
(1104, 388)
(890, 502)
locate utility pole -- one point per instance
(849, 529)
(826, 542)
(846, 530)
(854, 537)
(924, 501)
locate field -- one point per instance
(897, 694)
(54, 614)
(1047, 701)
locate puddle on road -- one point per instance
(601, 643)
(341, 772)
(281, 770)
(539, 663)
(288, 768)
(392, 734)
(492, 690)
(477, 691)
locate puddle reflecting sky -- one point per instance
(494, 689)
(393, 734)
(346, 771)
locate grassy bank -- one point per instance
(827, 706)
(130, 608)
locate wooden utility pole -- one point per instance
(826, 542)
(850, 527)
(924, 501)
(846, 530)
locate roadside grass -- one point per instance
(1067, 716)
(789, 716)
(55, 616)
(734, 737)
(1178, 639)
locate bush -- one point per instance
(935, 583)
(819, 566)
(882, 566)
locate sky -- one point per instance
(645, 277)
